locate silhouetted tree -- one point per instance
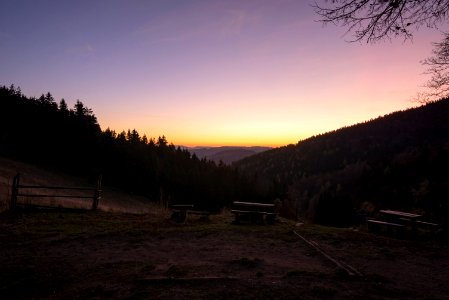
(63, 108)
(162, 141)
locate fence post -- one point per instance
(14, 191)
(97, 194)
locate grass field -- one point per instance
(107, 255)
(116, 254)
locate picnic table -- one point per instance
(395, 221)
(253, 212)
(402, 218)
(398, 221)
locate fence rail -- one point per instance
(17, 191)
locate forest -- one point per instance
(398, 161)
(47, 133)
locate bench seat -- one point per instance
(427, 224)
(254, 212)
(385, 223)
(198, 212)
(391, 228)
(236, 211)
(181, 211)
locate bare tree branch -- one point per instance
(374, 20)
(438, 70)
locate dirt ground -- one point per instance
(108, 255)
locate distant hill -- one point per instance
(398, 161)
(226, 154)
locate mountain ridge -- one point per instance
(226, 154)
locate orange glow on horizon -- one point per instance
(211, 73)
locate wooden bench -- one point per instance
(376, 225)
(181, 211)
(428, 226)
(202, 213)
(411, 220)
(253, 212)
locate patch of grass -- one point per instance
(303, 273)
(176, 272)
(322, 291)
(332, 235)
(33, 279)
(296, 273)
(147, 267)
(340, 273)
(249, 263)
(387, 252)
(377, 279)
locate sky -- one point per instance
(207, 72)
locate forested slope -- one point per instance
(397, 161)
(49, 134)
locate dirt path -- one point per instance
(57, 255)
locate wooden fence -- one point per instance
(30, 191)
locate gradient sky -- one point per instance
(207, 72)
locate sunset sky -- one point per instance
(207, 72)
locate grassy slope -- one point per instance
(113, 200)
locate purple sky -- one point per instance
(207, 72)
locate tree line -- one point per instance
(49, 133)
